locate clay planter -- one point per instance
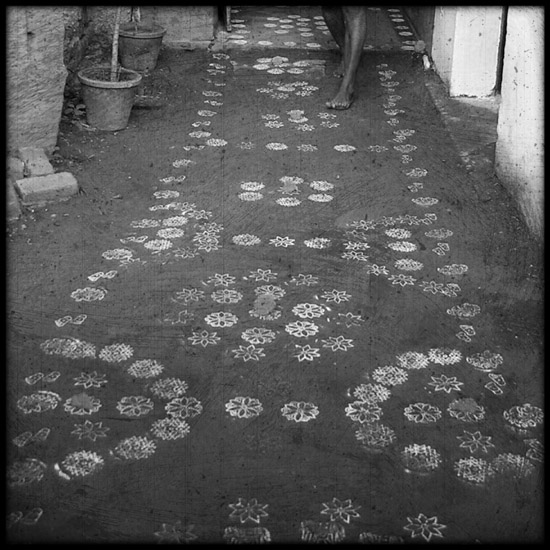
(139, 45)
(108, 103)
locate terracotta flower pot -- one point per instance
(139, 45)
(108, 103)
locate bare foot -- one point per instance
(343, 100)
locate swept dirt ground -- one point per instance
(289, 347)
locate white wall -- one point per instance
(465, 48)
(520, 144)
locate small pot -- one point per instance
(139, 45)
(108, 103)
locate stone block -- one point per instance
(46, 188)
(13, 208)
(35, 160)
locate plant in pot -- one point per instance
(140, 43)
(108, 92)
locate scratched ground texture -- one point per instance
(265, 321)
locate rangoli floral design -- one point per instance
(244, 407)
(300, 411)
(424, 527)
(250, 510)
(339, 510)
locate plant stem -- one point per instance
(114, 54)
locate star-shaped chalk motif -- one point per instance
(424, 527)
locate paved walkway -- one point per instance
(267, 321)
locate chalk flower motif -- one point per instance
(317, 242)
(145, 368)
(374, 435)
(170, 428)
(340, 510)
(88, 294)
(439, 234)
(175, 533)
(90, 430)
(263, 275)
(82, 404)
(188, 295)
(271, 290)
(421, 459)
(248, 353)
(300, 411)
(377, 269)
(509, 463)
(82, 463)
(425, 201)
(401, 279)
(250, 510)
(413, 360)
(303, 279)
(474, 470)
(302, 329)
(40, 401)
(336, 343)
(466, 410)
(390, 375)
(306, 353)
(258, 335)
(349, 245)
(135, 405)
(246, 239)
(363, 411)
(320, 185)
(204, 338)
(336, 296)
(174, 221)
(288, 201)
(308, 311)
(403, 246)
(282, 241)
(350, 319)
(422, 413)
(221, 319)
(116, 353)
(244, 407)
(26, 471)
(158, 244)
(424, 527)
(118, 253)
(445, 383)
(90, 380)
(169, 388)
(355, 255)
(274, 146)
(183, 407)
(486, 361)
(170, 233)
(397, 233)
(416, 173)
(475, 441)
(221, 279)
(371, 393)
(344, 148)
(524, 416)
(143, 224)
(444, 356)
(252, 186)
(135, 448)
(250, 196)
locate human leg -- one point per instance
(355, 25)
(334, 18)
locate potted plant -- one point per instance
(109, 91)
(140, 43)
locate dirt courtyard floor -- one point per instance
(263, 320)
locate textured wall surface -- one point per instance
(35, 76)
(520, 142)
